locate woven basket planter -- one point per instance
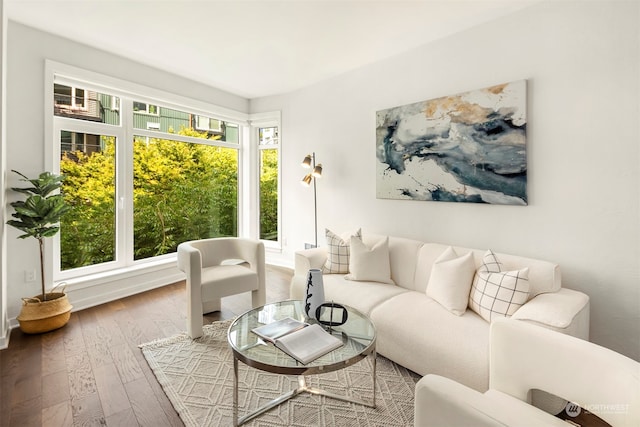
(39, 316)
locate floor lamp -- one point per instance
(309, 162)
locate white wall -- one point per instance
(27, 50)
(581, 60)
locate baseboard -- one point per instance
(96, 292)
(281, 267)
(115, 291)
(279, 261)
(4, 337)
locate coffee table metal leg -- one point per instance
(275, 402)
(302, 388)
(321, 392)
(373, 376)
(235, 392)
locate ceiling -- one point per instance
(257, 48)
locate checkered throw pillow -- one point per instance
(498, 293)
(490, 263)
(338, 252)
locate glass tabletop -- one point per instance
(358, 336)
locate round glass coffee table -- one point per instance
(358, 336)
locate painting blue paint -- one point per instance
(469, 147)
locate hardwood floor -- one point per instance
(92, 373)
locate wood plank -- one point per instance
(28, 360)
(72, 338)
(124, 418)
(145, 405)
(53, 355)
(60, 415)
(26, 388)
(81, 380)
(94, 334)
(87, 411)
(163, 400)
(137, 329)
(55, 388)
(26, 413)
(111, 390)
(6, 386)
(107, 321)
(126, 363)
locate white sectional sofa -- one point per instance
(417, 332)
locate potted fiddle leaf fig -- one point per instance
(38, 216)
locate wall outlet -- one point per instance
(309, 246)
(29, 275)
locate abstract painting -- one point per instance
(469, 147)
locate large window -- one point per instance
(143, 176)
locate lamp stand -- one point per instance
(315, 206)
(316, 172)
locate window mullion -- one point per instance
(125, 184)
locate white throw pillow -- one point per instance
(498, 294)
(369, 264)
(338, 252)
(450, 280)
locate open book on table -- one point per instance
(302, 341)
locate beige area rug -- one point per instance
(197, 377)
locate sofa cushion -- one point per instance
(369, 263)
(450, 280)
(363, 296)
(338, 250)
(498, 293)
(418, 333)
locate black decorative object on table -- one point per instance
(327, 312)
(315, 292)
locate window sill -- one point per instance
(123, 273)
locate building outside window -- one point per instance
(143, 108)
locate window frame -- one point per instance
(128, 92)
(264, 120)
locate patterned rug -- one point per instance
(197, 377)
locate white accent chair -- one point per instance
(217, 268)
(524, 357)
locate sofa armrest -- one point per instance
(565, 311)
(441, 402)
(308, 259)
